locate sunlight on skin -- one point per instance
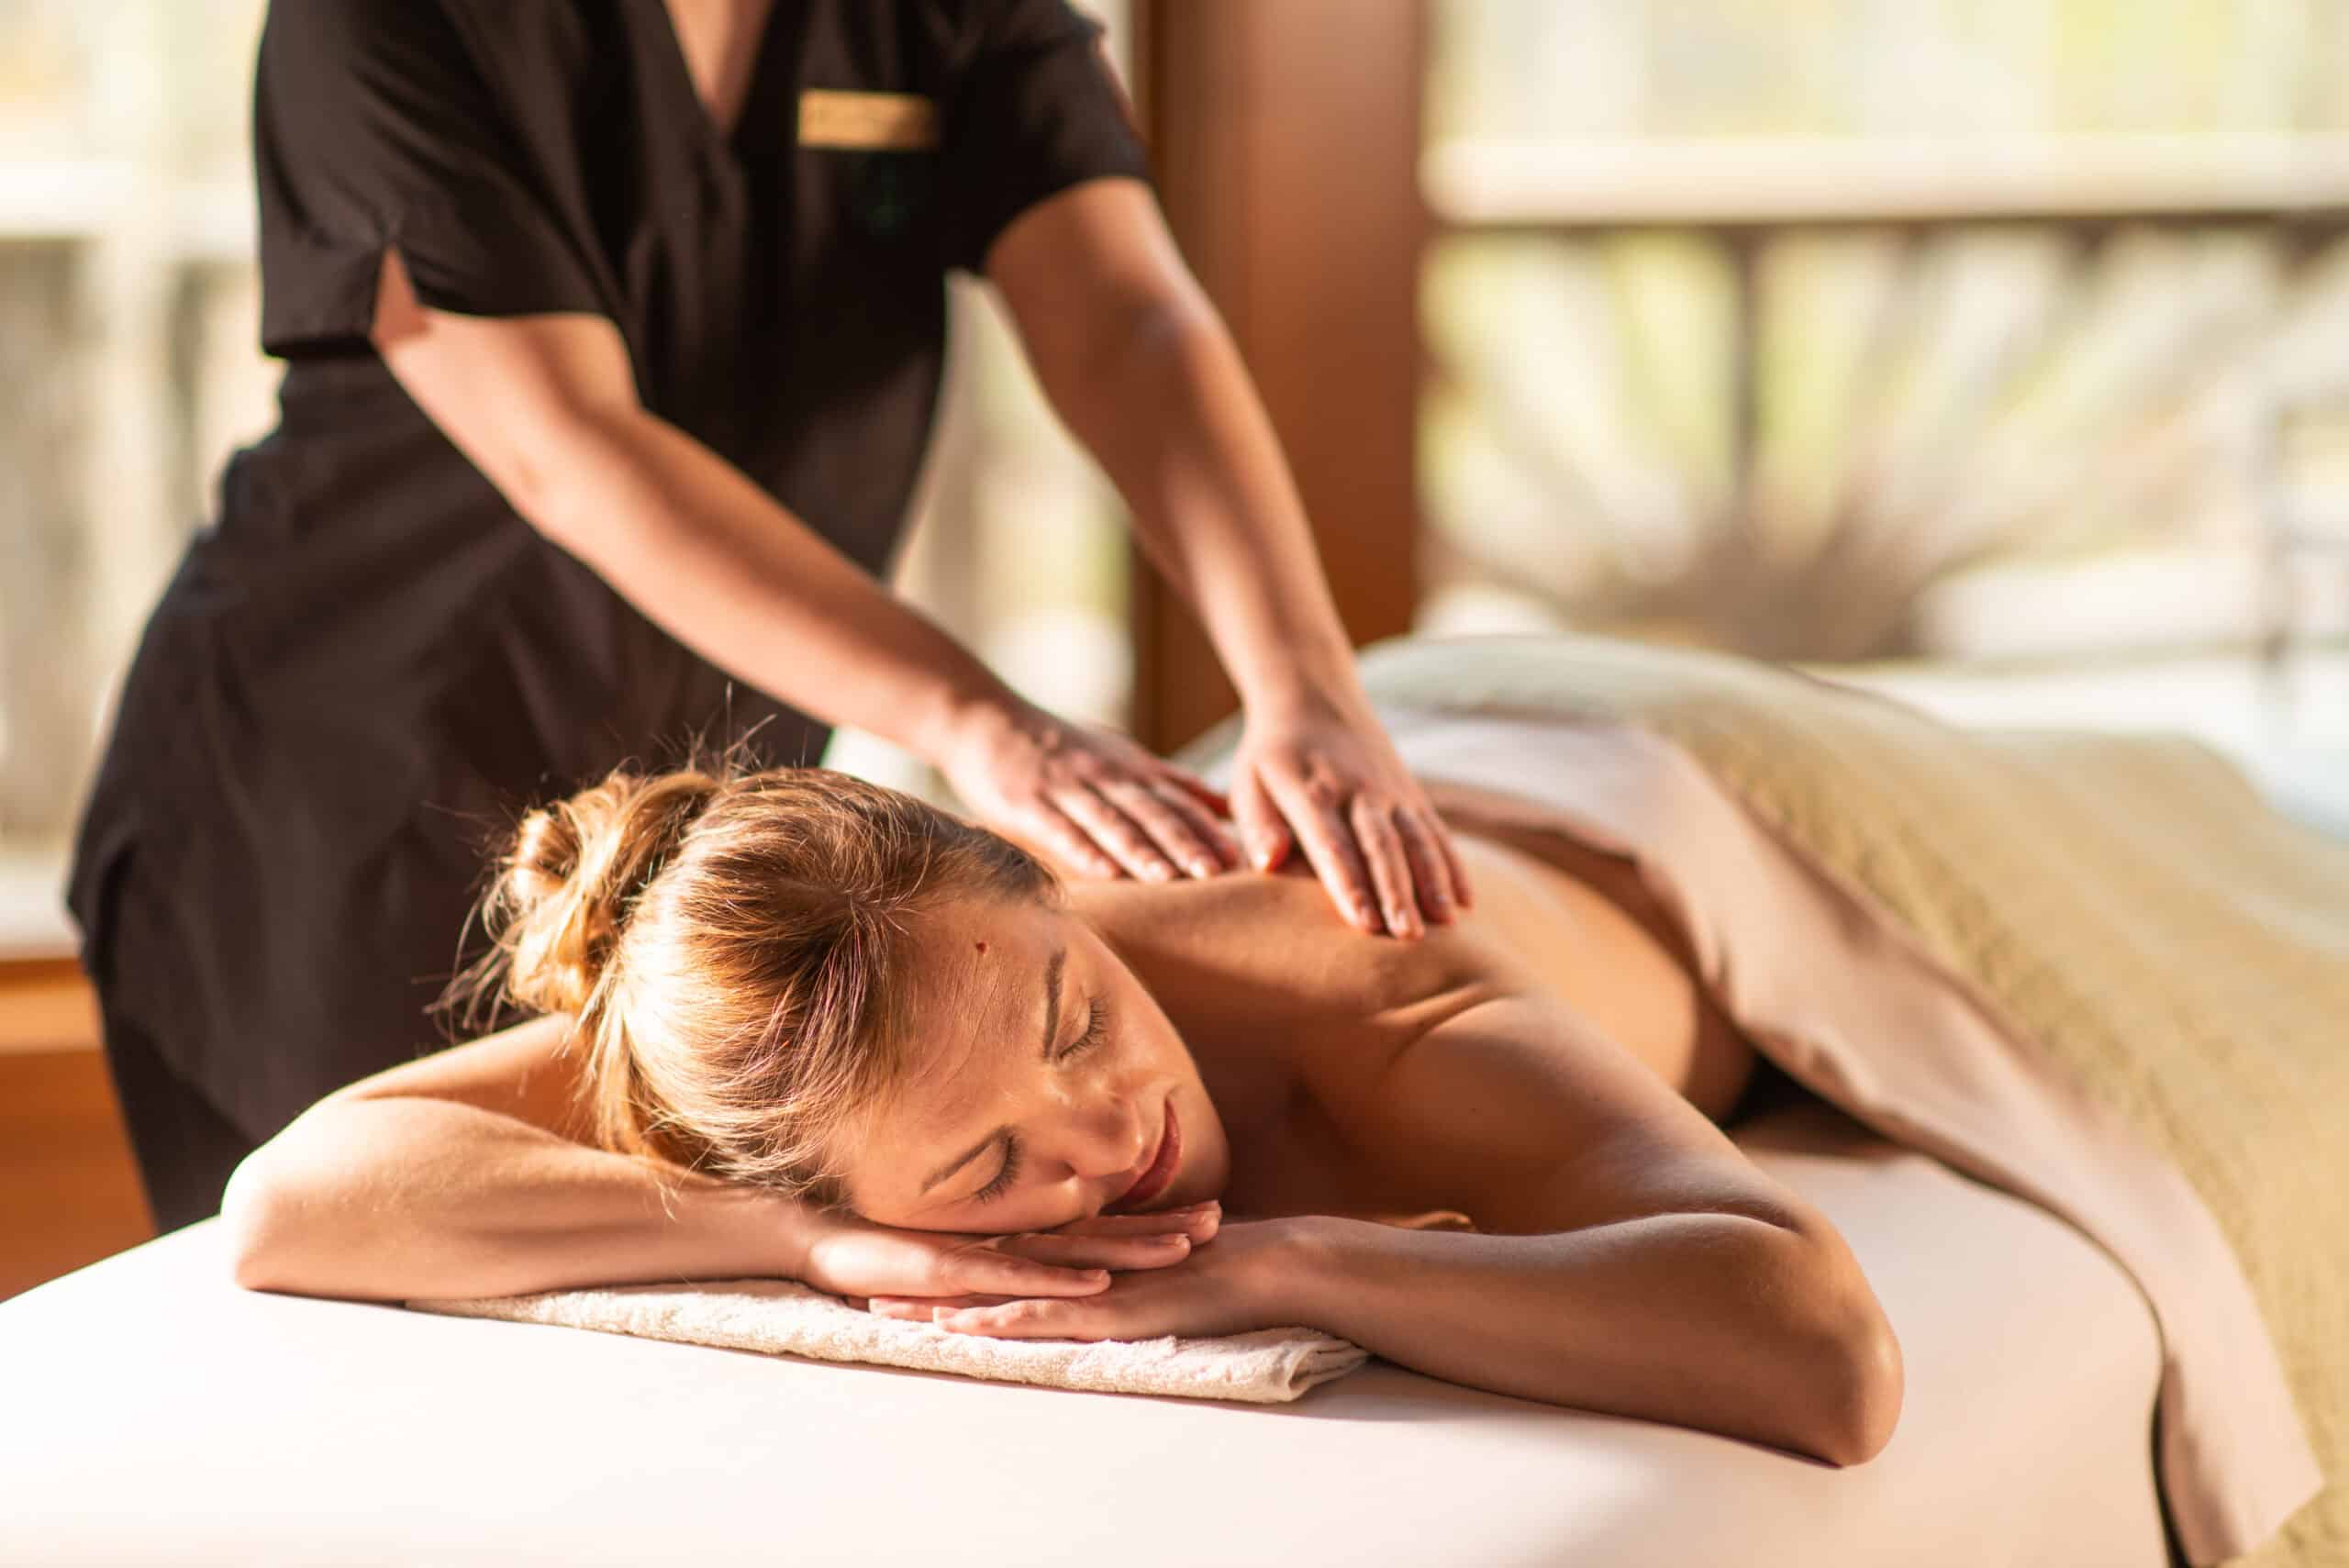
(1086, 1121)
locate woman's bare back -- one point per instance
(1583, 920)
(1281, 1002)
(1235, 953)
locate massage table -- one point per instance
(159, 1415)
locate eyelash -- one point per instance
(1005, 1177)
(1097, 1028)
(1096, 1025)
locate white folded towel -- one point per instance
(1269, 1366)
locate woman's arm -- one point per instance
(1633, 1260)
(464, 1173)
(1717, 1321)
(392, 1198)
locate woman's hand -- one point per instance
(854, 1258)
(1320, 770)
(1235, 1283)
(1092, 799)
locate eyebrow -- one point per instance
(1051, 1031)
(1052, 999)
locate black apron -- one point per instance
(369, 664)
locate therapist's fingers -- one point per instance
(1112, 830)
(1198, 788)
(1214, 823)
(1183, 838)
(1074, 846)
(1263, 830)
(1208, 813)
(1321, 827)
(1430, 872)
(1381, 846)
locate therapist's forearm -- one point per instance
(719, 565)
(1715, 1321)
(387, 1199)
(1174, 418)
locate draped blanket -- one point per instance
(2169, 953)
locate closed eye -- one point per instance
(1005, 1177)
(1097, 1029)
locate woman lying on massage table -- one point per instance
(794, 1024)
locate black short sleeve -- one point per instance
(374, 125)
(1036, 111)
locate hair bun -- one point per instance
(575, 872)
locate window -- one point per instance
(1857, 330)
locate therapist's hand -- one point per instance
(1093, 800)
(1318, 770)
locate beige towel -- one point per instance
(1269, 1366)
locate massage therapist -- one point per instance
(613, 332)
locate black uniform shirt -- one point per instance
(370, 662)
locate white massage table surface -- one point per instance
(157, 1414)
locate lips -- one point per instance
(1159, 1172)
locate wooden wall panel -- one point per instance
(1285, 139)
(68, 1190)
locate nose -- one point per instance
(1106, 1139)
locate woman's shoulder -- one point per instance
(1252, 944)
(1237, 952)
(533, 1071)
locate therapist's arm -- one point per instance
(546, 406)
(1139, 365)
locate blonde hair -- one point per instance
(733, 947)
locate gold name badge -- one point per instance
(890, 122)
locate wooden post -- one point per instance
(1285, 143)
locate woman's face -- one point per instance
(1043, 1081)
